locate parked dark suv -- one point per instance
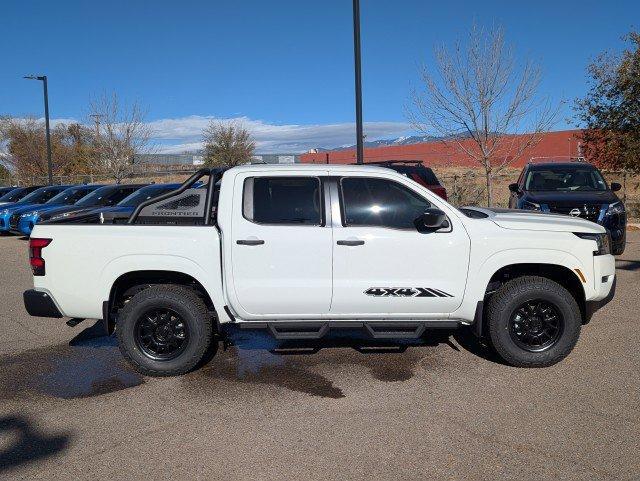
(572, 188)
(415, 170)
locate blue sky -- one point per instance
(284, 67)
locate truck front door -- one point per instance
(282, 247)
(383, 267)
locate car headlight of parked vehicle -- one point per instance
(30, 214)
(615, 208)
(526, 205)
(602, 240)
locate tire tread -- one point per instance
(519, 286)
(190, 301)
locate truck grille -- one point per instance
(587, 211)
(13, 221)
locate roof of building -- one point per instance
(311, 167)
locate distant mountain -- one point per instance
(405, 140)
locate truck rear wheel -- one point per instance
(533, 322)
(165, 330)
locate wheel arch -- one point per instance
(561, 274)
(130, 283)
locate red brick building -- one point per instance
(561, 144)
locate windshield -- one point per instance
(145, 194)
(565, 179)
(13, 195)
(41, 195)
(70, 196)
(98, 197)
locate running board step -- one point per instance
(283, 330)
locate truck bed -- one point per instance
(84, 261)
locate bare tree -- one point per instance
(25, 152)
(227, 144)
(483, 102)
(120, 134)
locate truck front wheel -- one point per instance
(533, 322)
(165, 330)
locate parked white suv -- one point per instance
(301, 250)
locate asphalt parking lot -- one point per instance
(70, 408)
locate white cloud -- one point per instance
(174, 135)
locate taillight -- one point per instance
(418, 179)
(35, 255)
(441, 191)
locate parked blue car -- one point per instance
(16, 195)
(33, 200)
(127, 205)
(106, 196)
(6, 190)
(28, 216)
(123, 209)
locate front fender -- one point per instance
(480, 276)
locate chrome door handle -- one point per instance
(350, 242)
(250, 242)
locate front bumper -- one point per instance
(4, 222)
(40, 304)
(591, 307)
(25, 226)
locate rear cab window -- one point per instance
(283, 200)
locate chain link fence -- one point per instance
(465, 186)
(468, 187)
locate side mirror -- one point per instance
(514, 188)
(615, 187)
(432, 219)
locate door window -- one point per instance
(380, 203)
(282, 200)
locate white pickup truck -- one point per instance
(301, 250)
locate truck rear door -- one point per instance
(281, 253)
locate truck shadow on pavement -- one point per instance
(28, 443)
(91, 364)
(257, 358)
(626, 265)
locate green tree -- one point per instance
(227, 145)
(610, 112)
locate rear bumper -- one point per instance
(40, 304)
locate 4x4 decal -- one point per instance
(406, 292)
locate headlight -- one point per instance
(602, 241)
(30, 214)
(4, 211)
(62, 216)
(615, 208)
(530, 206)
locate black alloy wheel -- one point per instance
(536, 325)
(161, 334)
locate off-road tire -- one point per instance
(514, 293)
(193, 312)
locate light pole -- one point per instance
(358, 79)
(43, 78)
